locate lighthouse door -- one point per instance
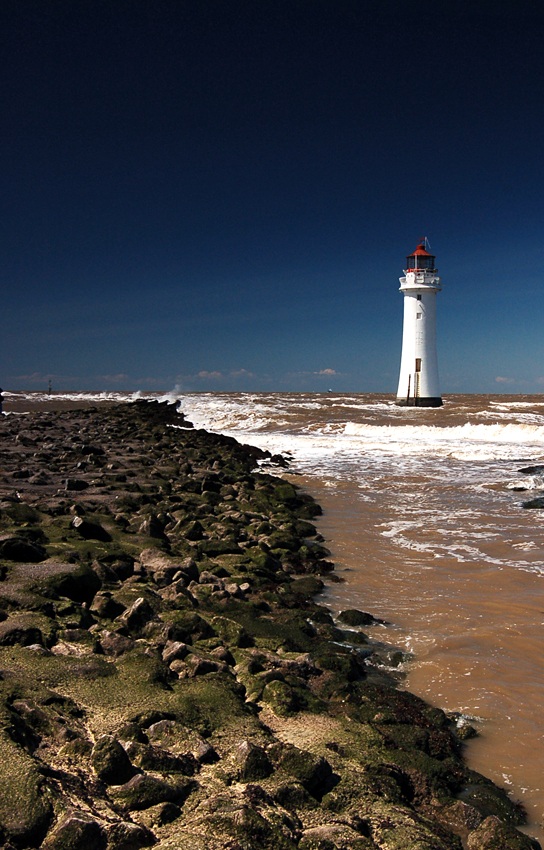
(417, 376)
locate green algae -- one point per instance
(26, 810)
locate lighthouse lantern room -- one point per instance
(418, 380)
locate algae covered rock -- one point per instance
(25, 803)
(313, 772)
(111, 762)
(493, 834)
(252, 762)
(22, 550)
(282, 698)
(77, 831)
(143, 791)
(354, 617)
(125, 835)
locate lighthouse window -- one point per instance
(419, 297)
(418, 315)
(418, 364)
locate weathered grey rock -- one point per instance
(105, 607)
(159, 760)
(20, 630)
(152, 526)
(197, 666)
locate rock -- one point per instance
(493, 834)
(22, 630)
(77, 831)
(22, 550)
(111, 762)
(152, 526)
(87, 449)
(252, 762)
(293, 796)
(188, 626)
(76, 484)
(174, 650)
(197, 666)
(333, 837)
(491, 800)
(160, 815)
(537, 503)
(137, 615)
(231, 632)
(239, 624)
(281, 698)
(313, 772)
(353, 617)
(194, 531)
(143, 791)
(90, 530)
(78, 582)
(124, 835)
(159, 760)
(105, 607)
(25, 808)
(115, 644)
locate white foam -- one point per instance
(529, 482)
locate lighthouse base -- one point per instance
(435, 401)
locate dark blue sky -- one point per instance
(220, 195)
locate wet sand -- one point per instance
(476, 634)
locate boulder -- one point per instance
(252, 762)
(115, 644)
(77, 831)
(137, 615)
(493, 834)
(76, 484)
(143, 791)
(22, 550)
(353, 617)
(111, 762)
(313, 772)
(124, 835)
(90, 530)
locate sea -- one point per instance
(424, 511)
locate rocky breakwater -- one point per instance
(167, 677)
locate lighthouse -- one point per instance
(418, 380)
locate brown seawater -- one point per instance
(423, 515)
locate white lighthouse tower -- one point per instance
(418, 381)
